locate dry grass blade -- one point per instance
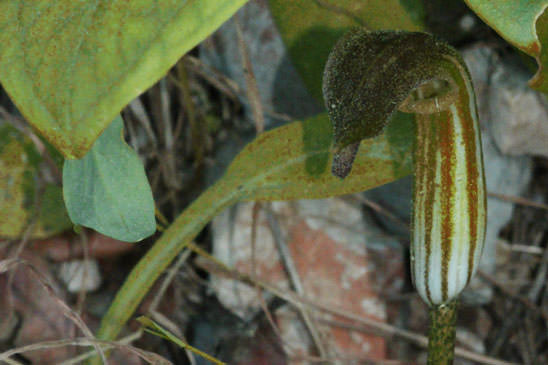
(295, 279)
(8, 264)
(156, 330)
(365, 324)
(218, 80)
(123, 341)
(138, 110)
(149, 357)
(526, 302)
(518, 200)
(183, 257)
(250, 82)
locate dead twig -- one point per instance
(252, 90)
(518, 200)
(149, 357)
(295, 279)
(225, 85)
(123, 341)
(8, 264)
(525, 301)
(216, 268)
(171, 273)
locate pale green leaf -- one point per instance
(71, 66)
(522, 23)
(107, 189)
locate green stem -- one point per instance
(441, 336)
(150, 267)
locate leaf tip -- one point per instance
(343, 160)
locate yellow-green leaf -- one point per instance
(19, 164)
(523, 23)
(71, 66)
(310, 28)
(293, 162)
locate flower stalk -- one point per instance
(441, 336)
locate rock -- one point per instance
(504, 174)
(280, 87)
(519, 114)
(42, 317)
(341, 261)
(80, 275)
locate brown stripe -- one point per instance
(472, 172)
(430, 157)
(469, 127)
(419, 186)
(447, 196)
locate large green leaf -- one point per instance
(19, 178)
(310, 28)
(71, 66)
(524, 23)
(290, 162)
(108, 190)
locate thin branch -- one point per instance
(252, 90)
(149, 357)
(8, 264)
(518, 200)
(295, 279)
(216, 268)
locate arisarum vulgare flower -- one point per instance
(368, 77)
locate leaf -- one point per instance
(524, 24)
(107, 189)
(290, 162)
(19, 170)
(71, 66)
(310, 28)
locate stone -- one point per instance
(280, 87)
(504, 174)
(80, 275)
(341, 261)
(519, 114)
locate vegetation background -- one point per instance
(346, 255)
